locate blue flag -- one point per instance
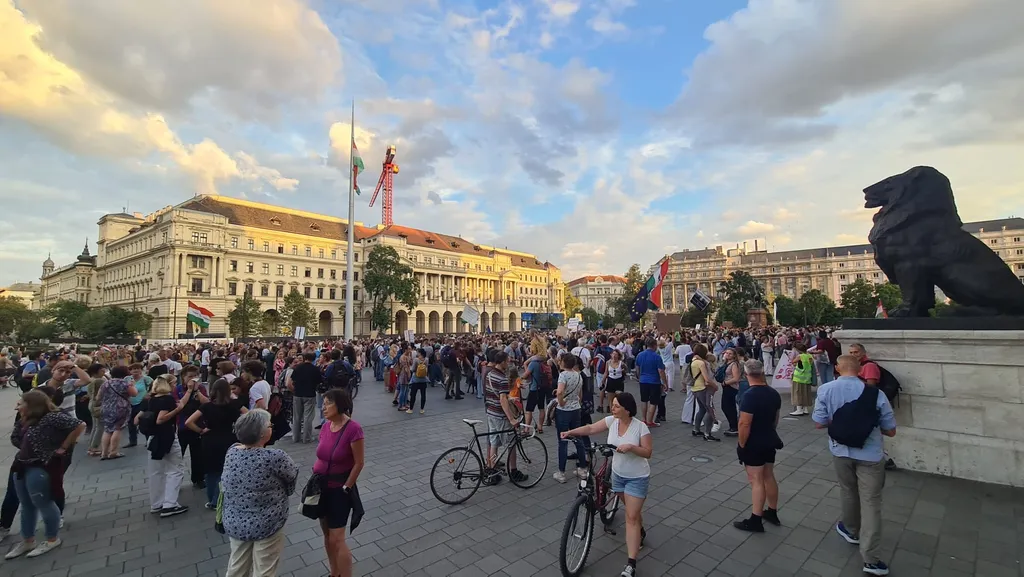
(640, 304)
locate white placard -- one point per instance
(783, 377)
(300, 333)
(471, 315)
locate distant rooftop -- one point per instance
(593, 278)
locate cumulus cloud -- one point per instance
(752, 227)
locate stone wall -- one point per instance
(961, 413)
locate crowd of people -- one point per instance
(228, 405)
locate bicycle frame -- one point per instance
(595, 487)
(475, 440)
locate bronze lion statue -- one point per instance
(920, 244)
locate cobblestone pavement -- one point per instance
(933, 526)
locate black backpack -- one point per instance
(147, 423)
(888, 384)
(341, 375)
(853, 422)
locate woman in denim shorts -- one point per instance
(631, 471)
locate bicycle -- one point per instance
(594, 496)
(468, 469)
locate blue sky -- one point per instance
(592, 133)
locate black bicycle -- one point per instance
(460, 470)
(594, 497)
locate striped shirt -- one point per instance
(497, 385)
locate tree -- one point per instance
(621, 306)
(14, 315)
(607, 321)
(386, 279)
(791, 312)
(634, 280)
(858, 300)
(112, 322)
(590, 317)
(296, 311)
(694, 316)
(890, 295)
(819, 308)
(739, 294)
(272, 322)
(246, 319)
(65, 315)
(572, 304)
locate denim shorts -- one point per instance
(636, 487)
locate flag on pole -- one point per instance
(653, 284)
(357, 166)
(640, 304)
(880, 311)
(198, 316)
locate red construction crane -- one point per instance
(386, 183)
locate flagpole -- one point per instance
(349, 333)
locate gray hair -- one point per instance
(250, 426)
(754, 368)
(858, 345)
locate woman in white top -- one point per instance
(614, 379)
(631, 472)
(568, 416)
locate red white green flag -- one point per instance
(198, 316)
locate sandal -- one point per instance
(94, 453)
(117, 456)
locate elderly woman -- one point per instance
(256, 483)
(116, 408)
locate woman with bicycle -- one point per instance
(631, 471)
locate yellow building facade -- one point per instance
(829, 269)
(211, 250)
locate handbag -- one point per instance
(309, 502)
(218, 524)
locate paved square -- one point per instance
(933, 526)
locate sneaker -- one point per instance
(422, 411)
(155, 511)
(841, 529)
(628, 571)
(890, 465)
(876, 568)
(750, 524)
(559, 476)
(518, 476)
(797, 413)
(732, 433)
(4, 532)
(712, 438)
(61, 524)
(772, 516)
(408, 411)
(582, 473)
(20, 549)
(44, 547)
(172, 511)
(211, 506)
(716, 427)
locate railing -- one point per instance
(199, 293)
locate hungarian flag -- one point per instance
(880, 311)
(357, 167)
(653, 284)
(198, 316)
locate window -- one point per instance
(334, 274)
(266, 246)
(280, 249)
(320, 292)
(199, 237)
(357, 257)
(309, 251)
(249, 267)
(355, 294)
(295, 250)
(308, 273)
(248, 288)
(280, 270)
(355, 276)
(264, 290)
(344, 275)
(279, 290)
(232, 288)
(265, 268)
(321, 253)
(319, 273)
(234, 242)
(334, 254)
(994, 241)
(252, 244)
(295, 271)
(1016, 239)
(333, 294)
(305, 291)
(842, 277)
(197, 285)
(198, 262)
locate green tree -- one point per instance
(65, 315)
(138, 322)
(732, 312)
(112, 322)
(621, 306)
(14, 315)
(296, 312)
(858, 300)
(608, 321)
(590, 317)
(890, 295)
(246, 319)
(386, 279)
(572, 304)
(818, 307)
(739, 294)
(693, 317)
(634, 280)
(791, 312)
(272, 322)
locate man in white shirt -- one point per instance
(682, 352)
(204, 364)
(259, 391)
(173, 366)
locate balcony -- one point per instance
(198, 293)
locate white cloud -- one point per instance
(752, 227)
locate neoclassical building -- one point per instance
(830, 269)
(213, 249)
(597, 292)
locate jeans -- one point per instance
(565, 421)
(320, 407)
(33, 488)
(403, 395)
(133, 431)
(826, 374)
(302, 419)
(704, 415)
(860, 491)
(729, 406)
(212, 487)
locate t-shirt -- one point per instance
(763, 402)
(334, 451)
(221, 418)
(497, 385)
(142, 385)
(162, 403)
(698, 374)
(536, 371)
(573, 383)
(628, 465)
(305, 378)
(649, 363)
(869, 370)
(261, 390)
(681, 352)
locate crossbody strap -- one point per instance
(330, 458)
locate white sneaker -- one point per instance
(61, 526)
(559, 476)
(44, 547)
(797, 413)
(716, 427)
(20, 549)
(582, 473)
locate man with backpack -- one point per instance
(857, 415)
(876, 376)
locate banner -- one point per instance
(470, 315)
(300, 333)
(783, 378)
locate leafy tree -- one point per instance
(590, 317)
(112, 322)
(693, 317)
(730, 311)
(739, 294)
(634, 280)
(14, 315)
(607, 321)
(572, 303)
(858, 300)
(246, 319)
(621, 306)
(65, 315)
(890, 295)
(818, 307)
(385, 279)
(272, 322)
(138, 322)
(296, 312)
(791, 312)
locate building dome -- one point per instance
(48, 263)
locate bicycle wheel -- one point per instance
(577, 535)
(456, 476)
(611, 500)
(531, 461)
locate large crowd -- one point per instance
(228, 405)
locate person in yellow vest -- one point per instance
(803, 379)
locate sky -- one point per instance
(592, 133)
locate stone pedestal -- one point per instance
(757, 318)
(961, 412)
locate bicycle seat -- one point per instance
(472, 422)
